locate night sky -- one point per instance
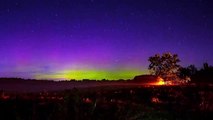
(97, 39)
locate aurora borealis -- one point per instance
(100, 39)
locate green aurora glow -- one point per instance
(92, 74)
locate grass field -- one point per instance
(111, 103)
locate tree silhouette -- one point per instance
(189, 71)
(206, 66)
(205, 74)
(165, 66)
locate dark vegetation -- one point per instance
(201, 76)
(111, 103)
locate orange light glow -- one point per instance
(160, 81)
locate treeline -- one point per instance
(202, 75)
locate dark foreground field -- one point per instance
(111, 103)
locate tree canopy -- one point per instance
(165, 66)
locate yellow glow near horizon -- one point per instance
(160, 81)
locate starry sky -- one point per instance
(100, 39)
